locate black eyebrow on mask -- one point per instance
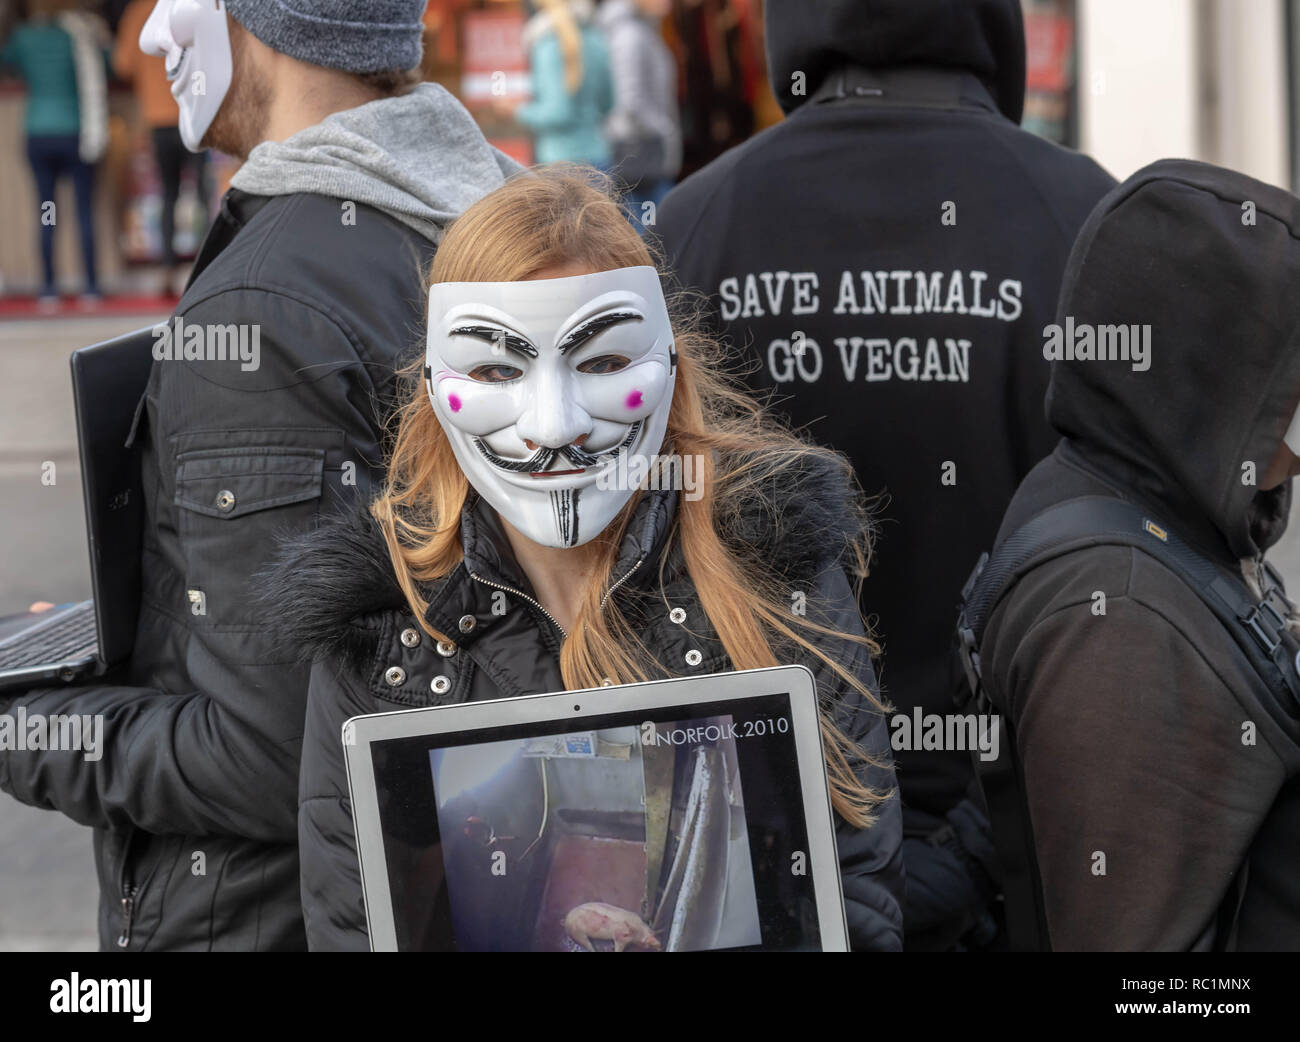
(599, 324)
(497, 335)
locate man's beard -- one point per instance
(240, 122)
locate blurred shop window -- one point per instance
(1051, 80)
(494, 76)
(441, 62)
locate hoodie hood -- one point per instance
(984, 37)
(419, 157)
(1209, 259)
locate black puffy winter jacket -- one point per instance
(339, 597)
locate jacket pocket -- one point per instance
(135, 858)
(233, 503)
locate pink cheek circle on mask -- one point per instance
(632, 394)
(454, 401)
(474, 408)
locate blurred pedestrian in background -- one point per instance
(60, 53)
(572, 89)
(645, 128)
(147, 74)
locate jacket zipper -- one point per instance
(129, 890)
(510, 589)
(128, 911)
(624, 578)
(518, 593)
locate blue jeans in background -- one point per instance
(51, 157)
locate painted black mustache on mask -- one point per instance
(542, 459)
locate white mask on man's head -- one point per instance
(193, 37)
(541, 385)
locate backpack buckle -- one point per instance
(970, 664)
(1277, 604)
(1268, 622)
(1268, 619)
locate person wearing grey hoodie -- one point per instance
(644, 130)
(313, 267)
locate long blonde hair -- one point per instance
(565, 24)
(557, 216)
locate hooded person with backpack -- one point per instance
(1143, 653)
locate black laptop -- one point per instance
(67, 644)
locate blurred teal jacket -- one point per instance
(42, 56)
(568, 127)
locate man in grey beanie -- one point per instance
(314, 267)
(371, 37)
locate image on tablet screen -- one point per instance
(623, 839)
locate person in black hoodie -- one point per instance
(887, 257)
(1146, 735)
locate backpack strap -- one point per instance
(1003, 783)
(1257, 627)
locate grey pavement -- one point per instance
(48, 892)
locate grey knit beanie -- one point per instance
(352, 35)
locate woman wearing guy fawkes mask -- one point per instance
(550, 352)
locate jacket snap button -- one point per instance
(396, 676)
(440, 685)
(693, 657)
(467, 623)
(446, 648)
(410, 637)
(225, 500)
(678, 615)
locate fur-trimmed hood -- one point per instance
(330, 586)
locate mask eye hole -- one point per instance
(495, 374)
(603, 365)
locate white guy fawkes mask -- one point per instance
(541, 385)
(192, 35)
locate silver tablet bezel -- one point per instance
(566, 707)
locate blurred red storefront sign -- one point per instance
(1048, 41)
(494, 69)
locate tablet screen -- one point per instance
(678, 829)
